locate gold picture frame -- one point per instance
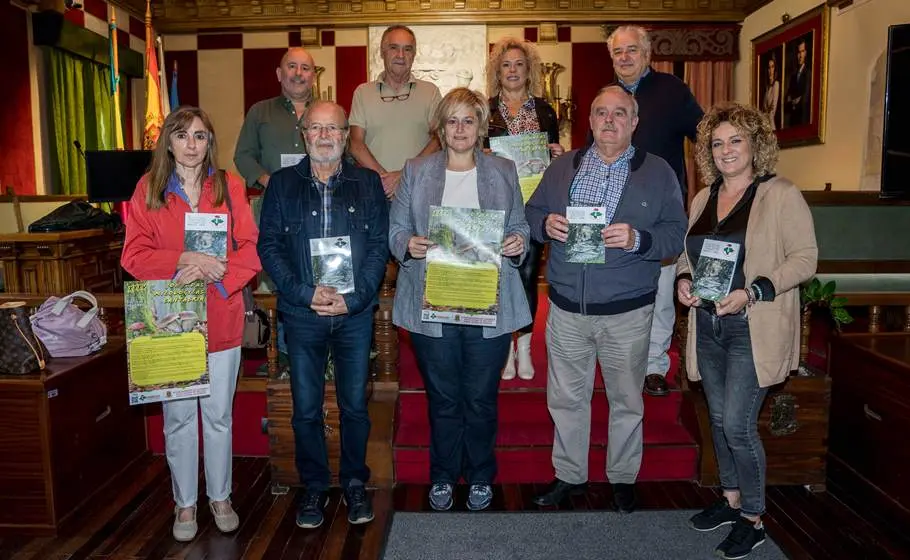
(790, 77)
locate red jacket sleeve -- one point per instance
(143, 256)
(243, 264)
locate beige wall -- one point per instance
(858, 37)
(31, 211)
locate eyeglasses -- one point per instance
(390, 98)
(331, 129)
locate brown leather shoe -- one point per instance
(656, 385)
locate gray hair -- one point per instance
(615, 87)
(396, 27)
(643, 38)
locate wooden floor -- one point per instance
(132, 518)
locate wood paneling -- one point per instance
(870, 411)
(793, 426)
(61, 263)
(281, 434)
(64, 433)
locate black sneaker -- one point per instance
(716, 515)
(311, 510)
(360, 506)
(742, 540)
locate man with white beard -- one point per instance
(325, 197)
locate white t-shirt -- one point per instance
(461, 189)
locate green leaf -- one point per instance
(841, 316)
(828, 290)
(814, 290)
(839, 301)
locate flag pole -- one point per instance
(115, 80)
(162, 79)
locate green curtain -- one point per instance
(81, 107)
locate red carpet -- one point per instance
(525, 437)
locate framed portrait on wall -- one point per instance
(789, 77)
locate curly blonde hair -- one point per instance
(494, 65)
(749, 122)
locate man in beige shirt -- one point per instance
(391, 117)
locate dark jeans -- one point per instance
(528, 272)
(724, 350)
(310, 337)
(461, 375)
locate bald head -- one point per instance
(325, 129)
(325, 109)
(296, 74)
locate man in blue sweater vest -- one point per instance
(668, 114)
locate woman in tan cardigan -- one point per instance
(751, 242)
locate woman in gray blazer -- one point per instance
(460, 364)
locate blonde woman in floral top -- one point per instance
(514, 85)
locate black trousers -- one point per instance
(528, 272)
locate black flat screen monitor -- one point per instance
(896, 136)
(113, 174)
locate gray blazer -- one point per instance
(422, 184)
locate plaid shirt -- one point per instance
(598, 183)
(326, 191)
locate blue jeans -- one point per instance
(461, 371)
(724, 350)
(310, 337)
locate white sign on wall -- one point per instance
(450, 56)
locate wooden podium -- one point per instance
(61, 263)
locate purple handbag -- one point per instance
(66, 330)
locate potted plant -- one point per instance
(815, 295)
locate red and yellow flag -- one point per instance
(153, 115)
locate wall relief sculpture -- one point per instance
(447, 55)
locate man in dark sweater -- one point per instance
(668, 113)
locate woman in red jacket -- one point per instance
(182, 179)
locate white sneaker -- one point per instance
(508, 372)
(184, 531)
(525, 364)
